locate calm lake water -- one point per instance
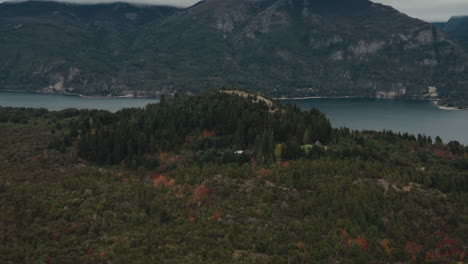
(373, 114)
(60, 102)
(415, 117)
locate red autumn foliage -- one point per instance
(446, 250)
(285, 164)
(215, 217)
(90, 251)
(412, 247)
(160, 180)
(170, 183)
(344, 234)
(385, 244)
(102, 254)
(201, 193)
(429, 256)
(208, 133)
(444, 240)
(361, 242)
(173, 159)
(35, 158)
(442, 153)
(192, 218)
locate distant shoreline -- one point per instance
(435, 101)
(81, 95)
(320, 97)
(351, 97)
(449, 108)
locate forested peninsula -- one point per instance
(224, 178)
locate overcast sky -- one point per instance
(429, 10)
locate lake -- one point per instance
(60, 102)
(412, 116)
(373, 114)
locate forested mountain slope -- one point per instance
(458, 28)
(57, 47)
(284, 48)
(218, 178)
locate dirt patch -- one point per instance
(257, 98)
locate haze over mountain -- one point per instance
(280, 47)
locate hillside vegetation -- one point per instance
(220, 178)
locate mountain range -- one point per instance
(283, 48)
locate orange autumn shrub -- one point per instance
(160, 180)
(215, 217)
(201, 193)
(385, 244)
(208, 133)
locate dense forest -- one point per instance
(231, 124)
(224, 178)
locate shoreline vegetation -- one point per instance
(435, 101)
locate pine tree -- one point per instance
(306, 139)
(278, 151)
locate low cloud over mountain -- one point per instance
(178, 3)
(428, 10)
